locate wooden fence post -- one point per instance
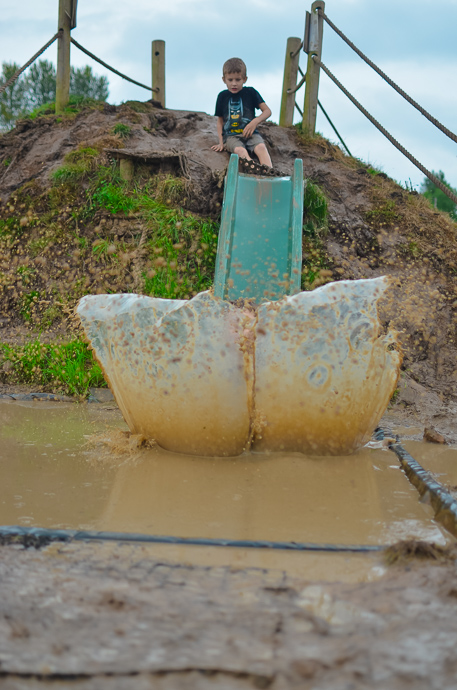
(63, 55)
(286, 115)
(158, 71)
(316, 28)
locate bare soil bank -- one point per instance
(375, 227)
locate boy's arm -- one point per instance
(220, 145)
(264, 115)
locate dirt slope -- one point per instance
(374, 227)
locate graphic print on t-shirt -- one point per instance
(235, 118)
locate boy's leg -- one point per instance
(262, 154)
(235, 145)
(242, 153)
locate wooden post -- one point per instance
(286, 115)
(316, 28)
(63, 55)
(126, 169)
(158, 71)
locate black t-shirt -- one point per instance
(237, 109)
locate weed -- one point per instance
(169, 189)
(386, 214)
(65, 368)
(26, 273)
(113, 198)
(122, 130)
(50, 315)
(26, 304)
(77, 165)
(7, 161)
(138, 106)
(75, 105)
(410, 249)
(9, 226)
(41, 110)
(316, 209)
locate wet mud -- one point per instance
(119, 616)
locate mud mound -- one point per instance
(50, 227)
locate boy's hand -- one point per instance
(218, 147)
(248, 131)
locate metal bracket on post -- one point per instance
(313, 46)
(73, 9)
(306, 37)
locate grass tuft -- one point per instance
(67, 368)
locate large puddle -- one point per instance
(53, 477)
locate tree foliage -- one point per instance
(437, 197)
(37, 86)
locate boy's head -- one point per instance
(234, 74)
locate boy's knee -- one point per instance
(260, 148)
(240, 151)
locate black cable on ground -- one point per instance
(39, 537)
(441, 500)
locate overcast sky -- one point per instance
(412, 41)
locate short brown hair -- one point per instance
(234, 65)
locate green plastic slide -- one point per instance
(259, 251)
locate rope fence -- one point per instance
(17, 74)
(94, 57)
(393, 141)
(312, 45)
(13, 78)
(411, 101)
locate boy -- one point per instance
(235, 112)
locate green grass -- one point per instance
(179, 247)
(316, 209)
(74, 106)
(386, 214)
(77, 165)
(122, 130)
(64, 368)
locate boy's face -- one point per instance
(234, 81)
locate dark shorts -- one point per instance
(249, 144)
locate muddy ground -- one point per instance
(104, 616)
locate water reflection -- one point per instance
(51, 478)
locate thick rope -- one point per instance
(412, 102)
(299, 85)
(295, 52)
(37, 55)
(393, 141)
(94, 57)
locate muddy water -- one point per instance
(438, 459)
(52, 478)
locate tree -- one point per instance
(13, 100)
(437, 197)
(41, 83)
(83, 82)
(37, 86)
